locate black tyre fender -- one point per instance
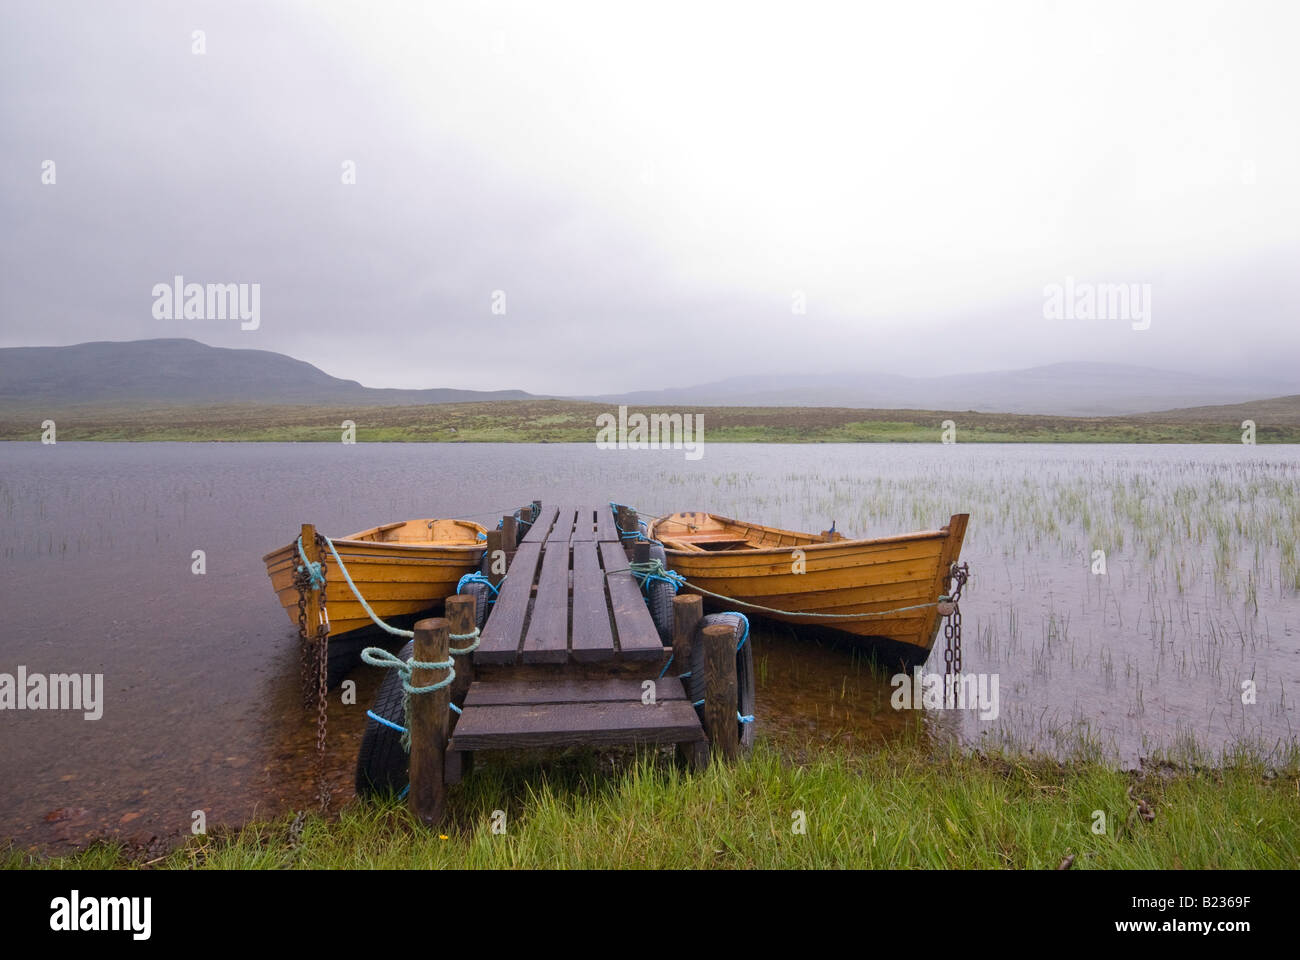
(659, 597)
(744, 673)
(481, 593)
(382, 765)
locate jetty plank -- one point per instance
(584, 528)
(513, 726)
(636, 634)
(605, 530)
(505, 625)
(541, 527)
(566, 690)
(593, 637)
(547, 640)
(562, 532)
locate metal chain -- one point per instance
(322, 679)
(302, 581)
(315, 661)
(950, 606)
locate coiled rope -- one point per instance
(379, 657)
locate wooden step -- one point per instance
(518, 714)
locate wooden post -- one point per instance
(461, 611)
(536, 508)
(509, 535)
(641, 552)
(720, 690)
(494, 548)
(428, 724)
(313, 596)
(688, 611)
(627, 522)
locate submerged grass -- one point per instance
(897, 807)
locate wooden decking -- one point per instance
(567, 649)
(568, 597)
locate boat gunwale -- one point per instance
(350, 542)
(816, 544)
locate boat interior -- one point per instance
(449, 532)
(703, 532)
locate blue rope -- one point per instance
(631, 534)
(745, 636)
(666, 666)
(379, 657)
(362, 600)
(741, 717)
(477, 577)
(386, 722)
(312, 567)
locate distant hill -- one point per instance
(185, 371)
(1059, 389)
(1271, 411)
(142, 373)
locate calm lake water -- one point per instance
(1197, 597)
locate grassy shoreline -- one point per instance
(563, 421)
(901, 806)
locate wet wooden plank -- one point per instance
(505, 625)
(635, 631)
(567, 690)
(584, 529)
(547, 640)
(593, 637)
(605, 529)
(539, 531)
(515, 726)
(563, 529)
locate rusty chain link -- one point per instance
(315, 660)
(950, 607)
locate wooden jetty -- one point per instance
(569, 655)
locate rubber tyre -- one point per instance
(744, 673)
(382, 765)
(481, 593)
(660, 596)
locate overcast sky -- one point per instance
(653, 186)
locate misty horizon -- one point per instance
(420, 197)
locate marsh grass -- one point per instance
(903, 806)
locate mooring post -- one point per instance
(494, 551)
(461, 614)
(427, 721)
(627, 523)
(536, 508)
(509, 535)
(688, 611)
(641, 552)
(720, 690)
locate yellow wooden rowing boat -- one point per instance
(884, 589)
(400, 568)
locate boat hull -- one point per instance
(396, 578)
(805, 575)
